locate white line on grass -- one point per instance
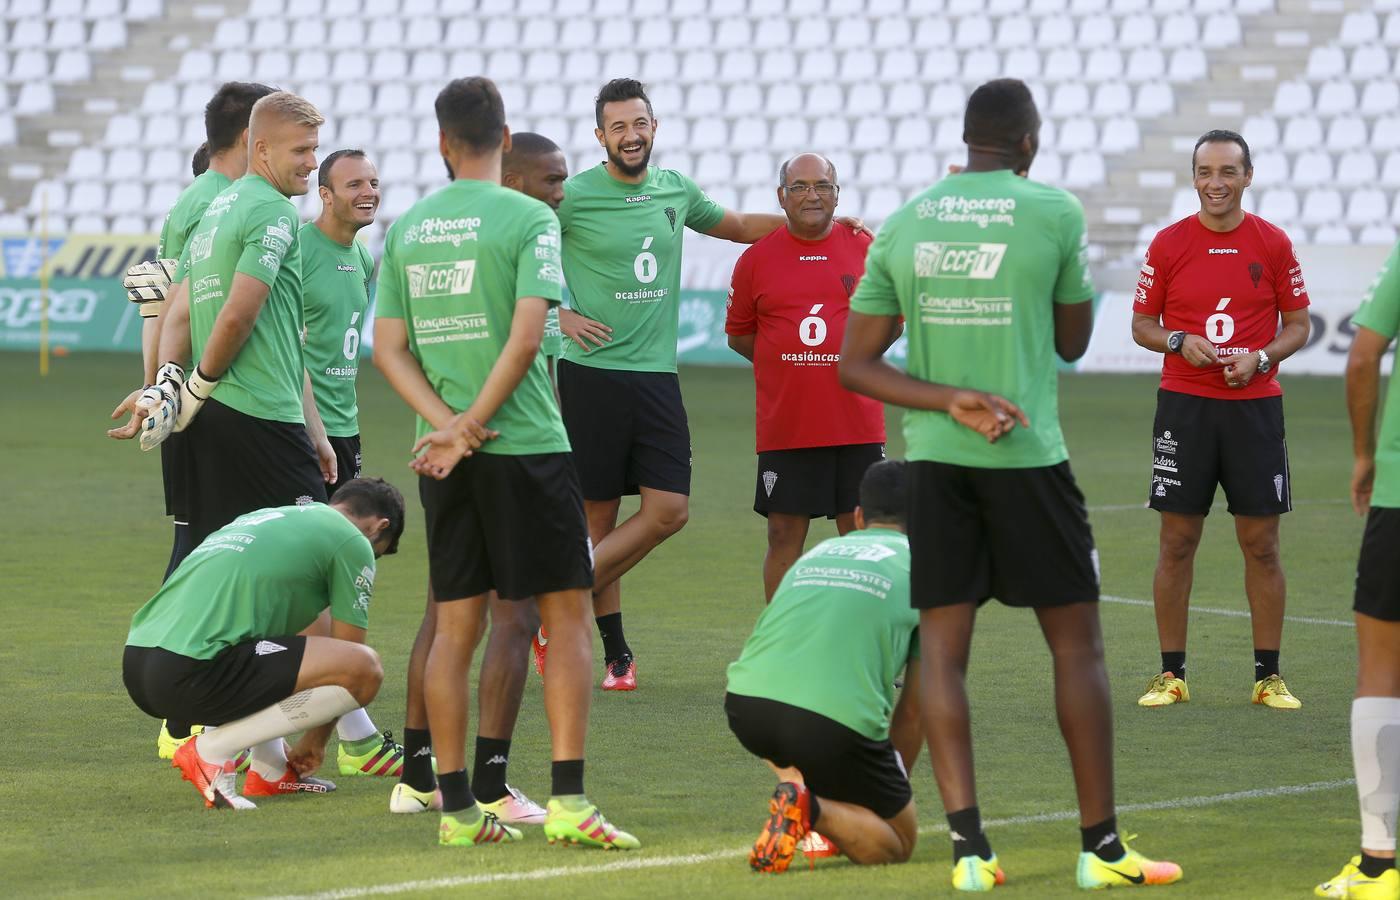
(1233, 613)
(692, 859)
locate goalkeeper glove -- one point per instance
(173, 401)
(147, 283)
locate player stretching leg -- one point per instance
(1375, 493)
(335, 274)
(812, 693)
(463, 293)
(993, 508)
(219, 641)
(623, 225)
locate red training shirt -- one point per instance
(1227, 286)
(794, 295)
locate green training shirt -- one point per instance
(335, 293)
(553, 343)
(975, 264)
(838, 633)
(1380, 312)
(251, 228)
(265, 574)
(454, 266)
(189, 207)
(622, 260)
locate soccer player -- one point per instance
(1375, 494)
(461, 306)
(623, 224)
(199, 163)
(988, 269)
(812, 693)
(536, 167)
(335, 274)
(1210, 297)
(788, 301)
(239, 315)
(219, 641)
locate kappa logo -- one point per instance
(770, 478)
(497, 760)
(266, 648)
(671, 216)
(1278, 487)
(423, 751)
(304, 500)
(949, 259)
(1217, 251)
(1161, 490)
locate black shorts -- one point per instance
(238, 682)
(1199, 442)
(1019, 535)
(1378, 569)
(347, 461)
(813, 481)
(514, 524)
(174, 475)
(240, 463)
(836, 762)
(628, 430)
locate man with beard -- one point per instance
(622, 226)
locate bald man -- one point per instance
(787, 315)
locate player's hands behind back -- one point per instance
(448, 446)
(987, 414)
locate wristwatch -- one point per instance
(1175, 340)
(1265, 364)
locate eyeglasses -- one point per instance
(824, 189)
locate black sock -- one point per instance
(610, 630)
(489, 771)
(177, 729)
(566, 776)
(1375, 866)
(1265, 663)
(965, 827)
(814, 809)
(1102, 840)
(180, 547)
(418, 760)
(1175, 663)
(456, 794)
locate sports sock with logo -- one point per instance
(418, 759)
(1102, 840)
(965, 828)
(610, 630)
(1174, 661)
(489, 769)
(355, 725)
(1265, 663)
(456, 793)
(1375, 866)
(1375, 754)
(566, 777)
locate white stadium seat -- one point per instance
(1085, 169)
(1380, 97)
(1222, 30)
(1279, 205)
(1322, 205)
(1120, 135)
(1346, 133)
(1326, 62)
(1188, 64)
(1261, 131)
(1366, 207)
(1138, 31)
(1292, 98)
(1270, 169)
(1370, 61)
(1358, 28)
(1063, 64)
(1312, 168)
(1103, 64)
(1302, 133)
(1332, 235)
(1357, 168)
(1112, 98)
(1335, 97)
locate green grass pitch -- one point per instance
(88, 810)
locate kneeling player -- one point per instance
(812, 693)
(218, 642)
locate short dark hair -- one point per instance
(526, 145)
(323, 174)
(620, 89)
(470, 112)
(783, 169)
(374, 497)
(1000, 113)
(1222, 136)
(882, 492)
(227, 113)
(200, 163)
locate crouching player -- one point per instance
(218, 642)
(812, 693)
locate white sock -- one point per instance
(355, 726)
(1375, 753)
(269, 759)
(298, 712)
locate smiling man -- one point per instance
(1221, 296)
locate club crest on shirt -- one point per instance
(671, 216)
(849, 283)
(1256, 272)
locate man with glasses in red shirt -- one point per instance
(788, 301)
